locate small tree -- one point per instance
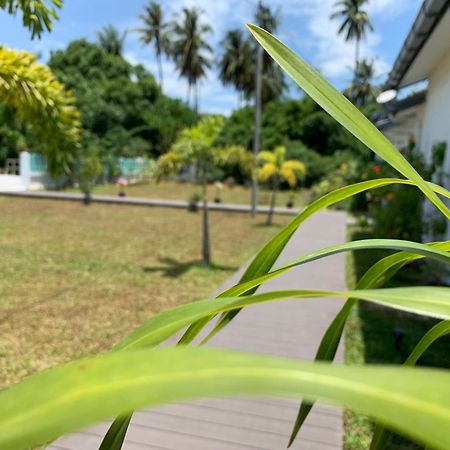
(89, 169)
(276, 169)
(195, 147)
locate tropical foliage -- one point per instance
(133, 375)
(191, 50)
(275, 169)
(36, 16)
(361, 91)
(355, 23)
(123, 112)
(155, 31)
(42, 103)
(112, 40)
(235, 65)
(238, 62)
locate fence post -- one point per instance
(25, 169)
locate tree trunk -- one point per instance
(196, 94)
(257, 131)
(356, 61)
(188, 96)
(206, 253)
(272, 201)
(160, 72)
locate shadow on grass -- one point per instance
(172, 268)
(264, 225)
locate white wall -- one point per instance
(408, 123)
(436, 120)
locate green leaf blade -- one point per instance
(381, 434)
(376, 276)
(68, 398)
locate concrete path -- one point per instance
(141, 201)
(290, 328)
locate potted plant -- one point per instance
(121, 183)
(218, 188)
(290, 202)
(193, 202)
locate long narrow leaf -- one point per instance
(341, 109)
(376, 276)
(432, 301)
(115, 436)
(67, 398)
(381, 434)
(423, 250)
(366, 244)
(266, 257)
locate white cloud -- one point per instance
(335, 57)
(390, 9)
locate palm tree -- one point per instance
(236, 65)
(275, 168)
(361, 91)
(354, 24)
(273, 82)
(111, 40)
(155, 31)
(190, 50)
(268, 21)
(37, 16)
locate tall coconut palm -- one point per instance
(275, 168)
(155, 30)
(236, 65)
(355, 22)
(273, 82)
(112, 40)
(361, 91)
(190, 50)
(268, 21)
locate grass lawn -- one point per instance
(75, 279)
(183, 191)
(369, 338)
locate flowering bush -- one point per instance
(396, 210)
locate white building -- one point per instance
(425, 55)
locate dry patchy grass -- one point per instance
(75, 279)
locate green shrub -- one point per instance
(317, 166)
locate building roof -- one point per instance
(427, 42)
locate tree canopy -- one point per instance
(39, 100)
(123, 111)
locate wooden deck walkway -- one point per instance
(290, 328)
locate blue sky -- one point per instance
(305, 27)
